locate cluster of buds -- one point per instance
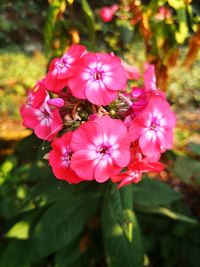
(99, 129)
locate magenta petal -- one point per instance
(98, 94)
(53, 84)
(135, 131)
(88, 135)
(113, 127)
(105, 169)
(83, 162)
(56, 102)
(77, 87)
(56, 122)
(165, 138)
(150, 78)
(43, 130)
(60, 170)
(121, 156)
(115, 80)
(30, 119)
(149, 144)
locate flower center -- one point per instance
(104, 149)
(97, 75)
(66, 158)
(61, 65)
(154, 124)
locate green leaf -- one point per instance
(122, 240)
(182, 32)
(20, 230)
(69, 256)
(195, 148)
(153, 193)
(90, 20)
(186, 168)
(171, 214)
(176, 4)
(62, 223)
(56, 7)
(17, 253)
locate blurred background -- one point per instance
(45, 222)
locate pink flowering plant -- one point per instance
(100, 128)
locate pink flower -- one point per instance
(135, 171)
(150, 81)
(98, 78)
(153, 127)
(106, 13)
(163, 13)
(60, 69)
(136, 168)
(101, 149)
(39, 116)
(60, 159)
(150, 77)
(132, 71)
(140, 96)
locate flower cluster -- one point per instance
(107, 12)
(100, 127)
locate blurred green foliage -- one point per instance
(18, 72)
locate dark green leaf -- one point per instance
(153, 193)
(194, 147)
(62, 223)
(186, 168)
(122, 240)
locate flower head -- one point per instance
(153, 127)
(136, 168)
(101, 149)
(60, 69)
(60, 159)
(107, 12)
(40, 116)
(98, 78)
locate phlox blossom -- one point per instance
(132, 71)
(153, 127)
(60, 158)
(60, 69)
(163, 13)
(40, 116)
(98, 78)
(107, 12)
(101, 149)
(136, 168)
(139, 96)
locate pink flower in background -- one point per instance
(60, 69)
(101, 149)
(107, 12)
(39, 116)
(163, 13)
(153, 127)
(60, 159)
(98, 78)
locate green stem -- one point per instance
(126, 193)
